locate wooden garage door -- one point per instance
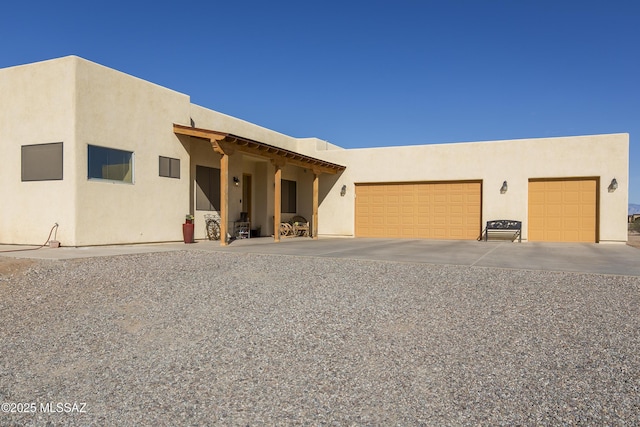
(436, 210)
(563, 210)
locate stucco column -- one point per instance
(276, 201)
(224, 198)
(314, 215)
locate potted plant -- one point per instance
(187, 229)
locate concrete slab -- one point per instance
(34, 252)
(616, 259)
(576, 257)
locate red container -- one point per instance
(187, 233)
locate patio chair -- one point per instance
(300, 226)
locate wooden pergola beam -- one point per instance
(314, 215)
(222, 142)
(224, 199)
(277, 198)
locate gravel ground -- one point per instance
(188, 338)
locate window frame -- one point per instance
(29, 153)
(288, 196)
(210, 182)
(108, 179)
(173, 167)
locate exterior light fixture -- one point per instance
(613, 186)
(343, 190)
(236, 181)
(504, 187)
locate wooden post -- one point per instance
(277, 202)
(314, 216)
(224, 198)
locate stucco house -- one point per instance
(113, 159)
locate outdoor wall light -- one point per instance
(236, 181)
(613, 186)
(504, 187)
(343, 190)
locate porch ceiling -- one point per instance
(226, 143)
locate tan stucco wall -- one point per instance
(119, 111)
(514, 161)
(80, 103)
(37, 102)
(213, 120)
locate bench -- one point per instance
(504, 227)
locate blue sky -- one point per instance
(367, 73)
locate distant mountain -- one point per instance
(634, 209)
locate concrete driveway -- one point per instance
(575, 257)
(618, 259)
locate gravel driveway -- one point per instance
(193, 338)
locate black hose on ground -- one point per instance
(36, 248)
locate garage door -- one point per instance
(432, 210)
(563, 210)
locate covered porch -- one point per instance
(248, 169)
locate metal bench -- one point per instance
(504, 227)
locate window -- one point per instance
(169, 167)
(42, 162)
(110, 164)
(288, 199)
(207, 189)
